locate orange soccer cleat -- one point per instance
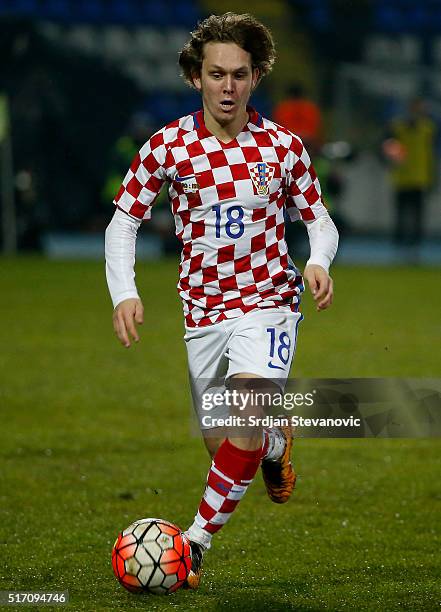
(279, 475)
(194, 577)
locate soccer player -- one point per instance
(232, 176)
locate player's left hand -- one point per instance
(321, 285)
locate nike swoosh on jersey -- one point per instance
(181, 179)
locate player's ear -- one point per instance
(196, 78)
(256, 78)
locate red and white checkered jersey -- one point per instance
(228, 201)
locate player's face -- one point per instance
(226, 82)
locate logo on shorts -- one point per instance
(189, 183)
(271, 365)
(262, 175)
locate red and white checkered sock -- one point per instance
(230, 475)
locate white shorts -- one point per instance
(261, 342)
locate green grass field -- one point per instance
(95, 436)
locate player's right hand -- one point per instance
(126, 316)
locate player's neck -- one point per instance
(226, 133)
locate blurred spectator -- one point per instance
(332, 184)
(301, 116)
(139, 130)
(123, 151)
(410, 150)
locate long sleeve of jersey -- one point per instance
(120, 245)
(323, 240)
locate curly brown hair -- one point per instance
(244, 30)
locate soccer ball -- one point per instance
(153, 556)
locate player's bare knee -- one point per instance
(212, 443)
(251, 395)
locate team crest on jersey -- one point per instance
(189, 183)
(262, 175)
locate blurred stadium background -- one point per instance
(84, 82)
